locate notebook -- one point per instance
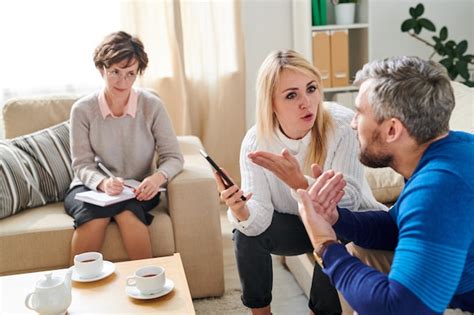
(102, 199)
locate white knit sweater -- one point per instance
(270, 193)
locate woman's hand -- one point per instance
(231, 197)
(284, 166)
(112, 186)
(150, 186)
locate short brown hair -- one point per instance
(120, 46)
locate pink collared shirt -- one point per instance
(130, 108)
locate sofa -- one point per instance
(186, 221)
(386, 184)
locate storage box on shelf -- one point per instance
(338, 61)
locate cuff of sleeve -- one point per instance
(95, 182)
(293, 192)
(241, 225)
(295, 195)
(310, 180)
(165, 175)
(333, 253)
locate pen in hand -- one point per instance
(109, 173)
(106, 171)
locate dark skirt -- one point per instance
(83, 212)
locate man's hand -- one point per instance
(284, 166)
(231, 197)
(150, 186)
(326, 193)
(319, 230)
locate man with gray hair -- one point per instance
(402, 120)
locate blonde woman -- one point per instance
(294, 132)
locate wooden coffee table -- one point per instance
(106, 295)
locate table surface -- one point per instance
(106, 295)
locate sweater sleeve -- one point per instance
(430, 264)
(253, 180)
(369, 229)
(170, 159)
(367, 290)
(82, 154)
(346, 161)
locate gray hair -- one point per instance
(415, 91)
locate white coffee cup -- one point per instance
(148, 280)
(88, 265)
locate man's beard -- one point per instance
(373, 159)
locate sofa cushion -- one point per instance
(386, 184)
(34, 169)
(40, 238)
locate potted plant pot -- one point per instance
(345, 13)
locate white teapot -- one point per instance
(52, 294)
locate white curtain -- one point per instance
(47, 45)
(196, 65)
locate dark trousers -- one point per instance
(286, 236)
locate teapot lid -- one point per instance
(48, 281)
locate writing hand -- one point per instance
(283, 165)
(112, 186)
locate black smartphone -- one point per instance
(225, 179)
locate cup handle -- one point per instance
(28, 300)
(131, 281)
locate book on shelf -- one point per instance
(319, 12)
(316, 17)
(101, 199)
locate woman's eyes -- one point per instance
(311, 89)
(291, 95)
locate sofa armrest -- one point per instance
(194, 210)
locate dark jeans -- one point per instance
(286, 236)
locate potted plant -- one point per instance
(454, 55)
(344, 11)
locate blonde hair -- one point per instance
(267, 79)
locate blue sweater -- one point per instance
(431, 229)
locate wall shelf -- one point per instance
(339, 27)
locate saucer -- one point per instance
(107, 269)
(133, 292)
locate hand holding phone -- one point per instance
(225, 179)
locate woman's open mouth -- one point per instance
(308, 117)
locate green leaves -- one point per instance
(417, 11)
(416, 23)
(427, 24)
(455, 60)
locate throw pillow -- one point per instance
(35, 169)
(386, 184)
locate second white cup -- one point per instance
(148, 280)
(88, 265)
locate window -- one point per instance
(47, 45)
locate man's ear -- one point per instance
(394, 130)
